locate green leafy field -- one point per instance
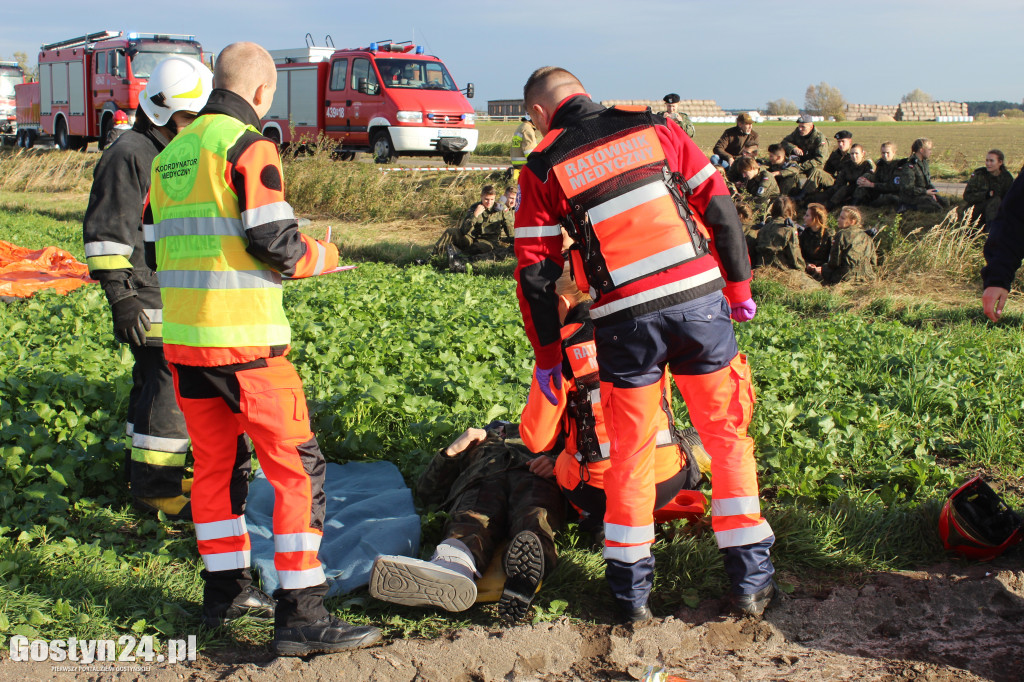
(865, 420)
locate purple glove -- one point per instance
(744, 311)
(544, 379)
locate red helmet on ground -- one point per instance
(120, 118)
(976, 523)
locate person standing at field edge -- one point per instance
(114, 251)
(220, 235)
(1004, 250)
(524, 139)
(617, 180)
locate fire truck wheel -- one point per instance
(383, 150)
(105, 127)
(454, 158)
(60, 135)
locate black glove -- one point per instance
(130, 321)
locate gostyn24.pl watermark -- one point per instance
(125, 649)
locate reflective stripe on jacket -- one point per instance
(650, 258)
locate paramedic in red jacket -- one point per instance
(657, 244)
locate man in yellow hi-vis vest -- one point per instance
(221, 236)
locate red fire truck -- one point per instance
(10, 75)
(389, 98)
(84, 80)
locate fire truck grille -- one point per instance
(445, 119)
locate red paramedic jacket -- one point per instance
(538, 241)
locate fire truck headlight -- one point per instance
(409, 116)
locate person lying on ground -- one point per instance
(853, 256)
(488, 486)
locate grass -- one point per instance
(873, 402)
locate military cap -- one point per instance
(671, 98)
(844, 135)
(806, 118)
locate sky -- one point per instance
(740, 53)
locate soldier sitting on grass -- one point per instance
(778, 243)
(759, 185)
(486, 227)
(853, 256)
(485, 480)
(987, 186)
(917, 191)
(851, 169)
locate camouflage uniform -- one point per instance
(483, 233)
(915, 181)
(824, 178)
(778, 245)
(816, 246)
(886, 191)
(788, 178)
(761, 188)
(684, 122)
(835, 161)
(845, 188)
(490, 495)
(985, 192)
(852, 257)
(813, 146)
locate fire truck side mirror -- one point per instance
(470, 91)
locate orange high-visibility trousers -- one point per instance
(263, 398)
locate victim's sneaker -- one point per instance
(414, 582)
(524, 568)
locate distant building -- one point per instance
(506, 107)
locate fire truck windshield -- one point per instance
(146, 55)
(8, 79)
(414, 74)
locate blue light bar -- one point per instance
(133, 36)
(373, 47)
(419, 49)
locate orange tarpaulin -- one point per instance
(23, 272)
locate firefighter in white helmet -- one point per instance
(155, 465)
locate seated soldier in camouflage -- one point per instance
(672, 113)
(760, 186)
(820, 180)
(486, 225)
(786, 172)
(880, 188)
(853, 256)
(816, 237)
(853, 168)
(807, 147)
(485, 480)
(778, 243)
(987, 186)
(917, 191)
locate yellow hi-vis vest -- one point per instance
(215, 294)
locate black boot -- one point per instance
(752, 604)
(524, 568)
(326, 635)
(252, 602)
(632, 614)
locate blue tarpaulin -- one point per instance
(369, 512)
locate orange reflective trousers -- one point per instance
(264, 399)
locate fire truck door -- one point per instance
(338, 102)
(365, 90)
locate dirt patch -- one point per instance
(952, 622)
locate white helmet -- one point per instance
(178, 83)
